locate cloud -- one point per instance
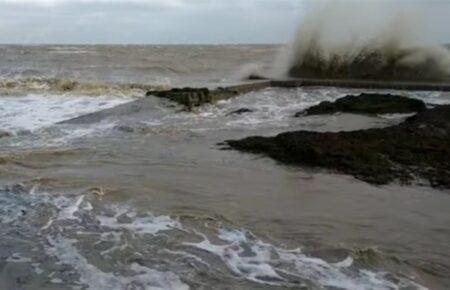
(46, 3)
(164, 21)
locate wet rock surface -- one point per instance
(240, 111)
(367, 104)
(256, 76)
(194, 97)
(418, 147)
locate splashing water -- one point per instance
(366, 40)
(35, 111)
(92, 245)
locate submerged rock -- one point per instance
(240, 111)
(18, 188)
(124, 128)
(418, 147)
(367, 104)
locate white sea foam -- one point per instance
(18, 258)
(265, 263)
(74, 222)
(148, 224)
(269, 108)
(32, 112)
(66, 252)
(65, 249)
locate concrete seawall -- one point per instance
(389, 85)
(249, 86)
(193, 97)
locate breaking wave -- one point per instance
(68, 86)
(366, 40)
(75, 238)
(35, 111)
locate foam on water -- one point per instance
(269, 108)
(94, 243)
(272, 108)
(276, 107)
(257, 261)
(139, 225)
(33, 112)
(67, 253)
(60, 241)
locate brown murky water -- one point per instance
(149, 201)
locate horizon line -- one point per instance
(138, 43)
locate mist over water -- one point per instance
(381, 40)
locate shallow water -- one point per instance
(149, 201)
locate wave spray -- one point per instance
(379, 40)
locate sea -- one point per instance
(150, 200)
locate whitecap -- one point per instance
(95, 279)
(265, 263)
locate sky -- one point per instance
(162, 21)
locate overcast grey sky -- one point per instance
(161, 21)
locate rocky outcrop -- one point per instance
(194, 97)
(418, 147)
(367, 104)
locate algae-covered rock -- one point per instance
(367, 104)
(420, 146)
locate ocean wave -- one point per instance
(14, 86)
(88, 242)
(382, 45)
(57, 120)
(35, 111)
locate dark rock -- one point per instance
(367, 104)
(240, 111)
(17, 188)
(189, 97)
(420, 146)
(256, 77)
(194, 97)
(367, 257)
(123, 128)
(124, 219)
(4, 134)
